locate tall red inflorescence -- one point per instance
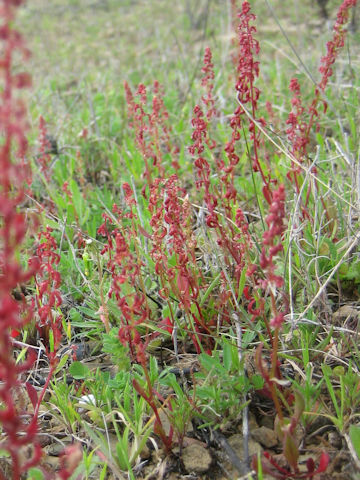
(303, 120)
(152, 131)
(337, 43)
(48, 298)
(208, 83)
(247, 95)
(18, 434)
(125, 268)
(44, 158)
(272, 245)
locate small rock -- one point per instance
(196, 459)
(236, 442)
(55, 449)
(252, 422)
(265, 436)
(267, 421)
(52, 463)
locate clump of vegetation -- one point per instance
(171, 281)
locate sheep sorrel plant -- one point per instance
(19, 429)
(197, 235)
(299, 135)
(303, 120)
(242, 276)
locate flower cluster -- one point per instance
(297, 128)
(125, 268)
(18, 434)
(48, 298)
(208, 83)
(152, 131)
(336, 44)
(271, 247)
(14, 315)
(45, 147)
(139, 122)
(276, 227)
(300, 127)
(162, 130)
(247, 96)
(173, 237)
(234, 242)
(201, 137)
(170, 229)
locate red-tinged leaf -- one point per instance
(70, 459)
(182, 283)
(140, 390)
(44, 311)
(310, 465)
(291, 451)
(84, 133)
(267, 194)
(166, 324)
(32, 394)
(14, 333)
(299, 408)
(144, 232)
(280, 472)
(184, 286)
(56, 278)
(324, 462)
(43, 287)
(325, 105)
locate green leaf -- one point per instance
(257, 381)
(242, 283)
(35, 474)
(75, 315)
(62, 362)
(227, 356)
(355, 438)
(103, 472)
(79, 371)
(51, 341)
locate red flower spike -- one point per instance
(303, 120)
(17, 432)
(152, 131)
